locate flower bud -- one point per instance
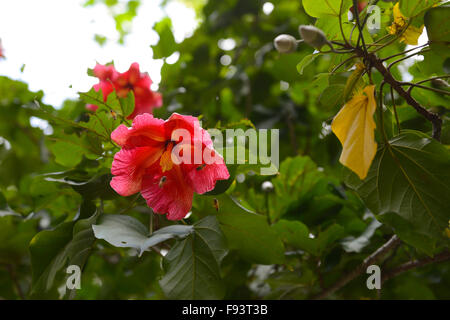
(313, 36)
(285, 43)
(267, 186)
(440, 83)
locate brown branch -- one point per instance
(392, 243)
(434, 118)
(444, 256)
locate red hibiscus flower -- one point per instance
(110, 80)
(166, 161)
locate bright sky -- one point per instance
(54, 39)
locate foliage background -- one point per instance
(306, 234)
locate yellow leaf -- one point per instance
(411, 34)
(354, 126)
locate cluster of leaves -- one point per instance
(289, 239)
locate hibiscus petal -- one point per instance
(172, 196)
(129, 166)
(106, 87)
(105, 72)
(145, 126)
(189, 123)
(203, 178)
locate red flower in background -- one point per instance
(2, 55)
(361, 6)
(139, 82)
(146, 163)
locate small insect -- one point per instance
(200, 167)
(162, 181)
(114, 115)
(216, 204)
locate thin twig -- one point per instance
(433, 78)
(406, 51)
(392, 243)
(412, 85)
(380, 110)
(405, 57)
(360, 36)
(395, 111)
(444, 256)
(340, 23)
(342, 63)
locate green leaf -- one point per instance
(5, 210)
(96, 187)
(127, 232)
(330, 26)
(305, 62)
(332, 97)
(68, 150)
(166, 44)
(412, 8)
(438, 29)
(250, 235)
(193, 264)
(410, 177)
(51, 250)
(121, 106)
(127, 104)
(326, 8)
(327, 237)
(298, 176)
(405, 231)
(296, 234)
(15, 235)
(96, 98)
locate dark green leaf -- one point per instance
(193, 264)
(250, 235)
(410, 177)
(51, 250)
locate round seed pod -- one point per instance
(267, 186)
(313, 36)
(285, 43)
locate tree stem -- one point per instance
(392, 243)
(434, 118)
(444, 256)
